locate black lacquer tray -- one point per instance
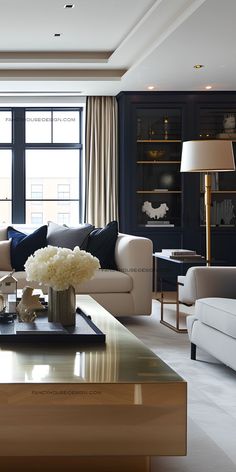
(40, 331)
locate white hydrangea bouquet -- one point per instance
(60, 268)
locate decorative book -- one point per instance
(178, 252)
(39, 328)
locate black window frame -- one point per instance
(19, 147)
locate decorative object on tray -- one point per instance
(61, 269)
(28, 306)
(7, 317)
(155, 213)
(8, 290)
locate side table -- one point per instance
(191, 261)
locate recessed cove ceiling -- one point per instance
(108, 46)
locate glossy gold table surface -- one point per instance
(104, 408)
(122, 359)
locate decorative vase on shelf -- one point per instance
(62, 306)
(166, 128)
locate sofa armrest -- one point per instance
(205, 282)
(133, 255)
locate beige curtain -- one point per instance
(101, 161)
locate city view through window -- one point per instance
(48, 162)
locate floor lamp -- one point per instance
(207, 156)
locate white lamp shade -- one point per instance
(207, 156)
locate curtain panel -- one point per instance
(101, 160)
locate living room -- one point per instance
(96, 100)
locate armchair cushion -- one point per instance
(219, 313)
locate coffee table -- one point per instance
(108, 407)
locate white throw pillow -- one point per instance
(3, 234)
(5, 255)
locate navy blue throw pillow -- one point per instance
(101, 243)
(24, 245)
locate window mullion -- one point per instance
(18, 166)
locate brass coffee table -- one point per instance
(105, 407)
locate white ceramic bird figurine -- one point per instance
(28, 305)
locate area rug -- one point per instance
(211, 396)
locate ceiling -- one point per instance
(108, 46)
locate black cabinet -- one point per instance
(155, 199)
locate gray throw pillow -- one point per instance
(63, 236)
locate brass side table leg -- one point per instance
(178, 329)
(177, 307)
(162, 305)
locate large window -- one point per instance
(41, 165)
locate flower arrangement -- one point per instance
(60, 268)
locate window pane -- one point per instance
(52, 167)
(38, 126)
(5, 127)
(63, 218)
(66, 127)
(5, 213)
(63, 193)
(57, 171)
(37, 191)
(36, 218)
(5, 173)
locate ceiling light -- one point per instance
(56, 35)
(69, 5)
(198, 66)
(151, 87)
(208, 87)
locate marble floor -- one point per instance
(211, 396)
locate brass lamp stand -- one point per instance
(207, 156)
(208, 217)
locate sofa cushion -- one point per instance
(62, 236)
(22, 245)
(101, 244)
(5, 255)
(219, 313)
(106, 281)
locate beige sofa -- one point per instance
(126, 291)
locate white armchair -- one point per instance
(213, 325)
(202, 282)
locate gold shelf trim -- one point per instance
(158, 162)
(159, 191)
(159, 141)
